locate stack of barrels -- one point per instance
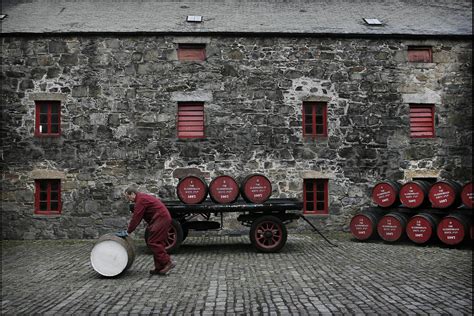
(418, 210)
(254, 188)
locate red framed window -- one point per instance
(48, 196)
(422, 121)
(188, 52)
(48, 118)
(315, 119)
(190, 120)
(315, 192)
(418, 54)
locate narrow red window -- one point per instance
(191, 120)
(315, 194)
(420, 54)
(48, 118)
(188, 52)
(422, 121)
(48, 196)
(315, 119)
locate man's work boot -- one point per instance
(170, 265)
(156, 270)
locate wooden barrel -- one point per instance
(256, 188)
(385, 194)
(391, 227)
(445, 194)
(112, 255)
(363, 226)
(467, 195)
(224, 189)
(414, 194)
(192, 190)
(454, 229)
(421, 228)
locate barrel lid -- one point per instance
(412, 195)
(362, 227)
(390, 228)
(442, 194)
(192, 190)
(419, 229)
(384, 194)
(451, 230)
(224, 189)
(109, 258)
(256, 188)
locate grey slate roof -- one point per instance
(400, 17)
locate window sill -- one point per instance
(315, 215)
(314, 139)
(52, 216)
(187, 140)
(422, 138)
(47, 136)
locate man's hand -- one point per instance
(122, 233)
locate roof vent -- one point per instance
(194, 18)
(372, 21)
(3, 16)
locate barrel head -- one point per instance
(224, 189)
(384, 195)
(442, 195)
(451, 230)
(109, 258)
(362, 227)
(412, 195)
(256, 188)
(192, 190)
(390, 228)
(419, 229)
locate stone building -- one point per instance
(96, 95)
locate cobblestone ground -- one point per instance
(219, 275)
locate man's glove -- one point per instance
(122, 233)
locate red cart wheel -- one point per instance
(268, 234)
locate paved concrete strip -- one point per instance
(223, 275)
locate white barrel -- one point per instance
(112, 255)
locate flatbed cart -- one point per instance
(267, 221)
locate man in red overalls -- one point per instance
(158, 218)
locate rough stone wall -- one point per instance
(119, 101)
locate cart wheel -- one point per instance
(175, 236)
(268, 234)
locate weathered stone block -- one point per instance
(68, 60)
(57, 47)
(80, 91)
(26, 84)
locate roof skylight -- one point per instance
(372, 21)
(194, 18)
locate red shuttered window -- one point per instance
(315, 192)
(315, 119)
(48, 118)
(420, 54)
(422, 120)
(190, 120)
(48, 196)
(190, 52)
